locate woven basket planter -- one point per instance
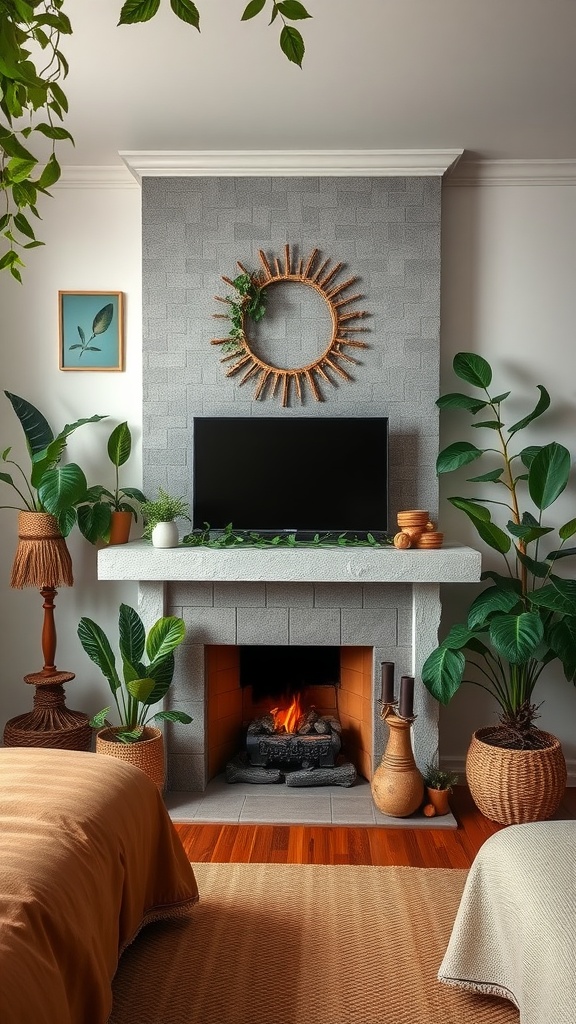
(146, 754)
(515, 786)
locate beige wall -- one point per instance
(509, 259)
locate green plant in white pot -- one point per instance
(160, 519)
(525, 619)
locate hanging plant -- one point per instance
(31, 95)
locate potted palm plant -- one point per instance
(141, 686)
(107, 514)
(525, 618)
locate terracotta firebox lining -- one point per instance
(230, 707)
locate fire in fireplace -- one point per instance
(294, 745)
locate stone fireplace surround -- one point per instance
(380, 214)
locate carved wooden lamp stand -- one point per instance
(43, 561)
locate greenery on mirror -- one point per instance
(165, 509)
(230, 538)
(45, 485)
(33, 104)
(95, 513)
(250, 301)
(525, 619)
(142, 684)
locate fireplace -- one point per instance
(386, 230)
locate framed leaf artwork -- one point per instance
(91, 330)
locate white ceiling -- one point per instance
(496, 78)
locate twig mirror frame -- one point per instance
(273, 380)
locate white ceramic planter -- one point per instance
(165, 535)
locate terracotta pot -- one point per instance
(515, 786)
(146, 754)
(439, 799)
(120, 526)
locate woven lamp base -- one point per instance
(515, 786)
(50, 723)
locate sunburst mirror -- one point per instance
(248, 306)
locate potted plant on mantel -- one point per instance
(525, 619)
(142, 685)
(106, 514)
(439, 784)
(160, 519)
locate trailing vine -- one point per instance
(230, 538)
(33, 102)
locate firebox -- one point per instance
(300, 715)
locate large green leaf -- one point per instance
(442, 673)
(138, 10)
(97, 647)
(140, 689)
(187, 11)
(548, 475)
(94, 521)
(563, 641)
(482, 520)
(120, 444)
(38, 431)
(164, 636)
(568, 530)
(516, 637)
(541, 406)
(162, 673)
(456, 400)
(455, 455)
(472, 368)
(538, 569)
(173, 716)
(527, 531)
(558, 596)
(490, 601)
(132, 635)
(471, 508)
(61, 488)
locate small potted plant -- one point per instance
(439, 784)
(141, 686)
(107, 515)
(160, 519)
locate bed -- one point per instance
(88, 856)
(515, 931)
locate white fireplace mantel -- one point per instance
(138, 560)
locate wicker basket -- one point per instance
(515, 786)
(147, 754)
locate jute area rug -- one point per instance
(303, 944)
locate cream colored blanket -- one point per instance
(515, 932)
(88, 855)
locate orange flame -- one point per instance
(287, 717)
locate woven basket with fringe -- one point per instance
(146, 754)
(515, 786)
(42, 558)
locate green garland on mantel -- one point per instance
(231, 538)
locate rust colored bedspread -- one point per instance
(88, 855)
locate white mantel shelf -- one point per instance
(138, 560)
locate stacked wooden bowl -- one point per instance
(417, 531)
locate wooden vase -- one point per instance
(397, 785)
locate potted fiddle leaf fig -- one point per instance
(525, 618)
(141, 685)
(107, 514)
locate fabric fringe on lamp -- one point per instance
(42, 558)
(43, 561)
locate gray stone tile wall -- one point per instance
(386, 231)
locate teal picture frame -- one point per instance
(91, 333)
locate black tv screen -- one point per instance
(284, 475)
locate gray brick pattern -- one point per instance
(386, 232)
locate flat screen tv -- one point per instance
(303, 475)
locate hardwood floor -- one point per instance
(324, 844)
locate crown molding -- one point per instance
(98, 176)
(290, 163)
(512, 172)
